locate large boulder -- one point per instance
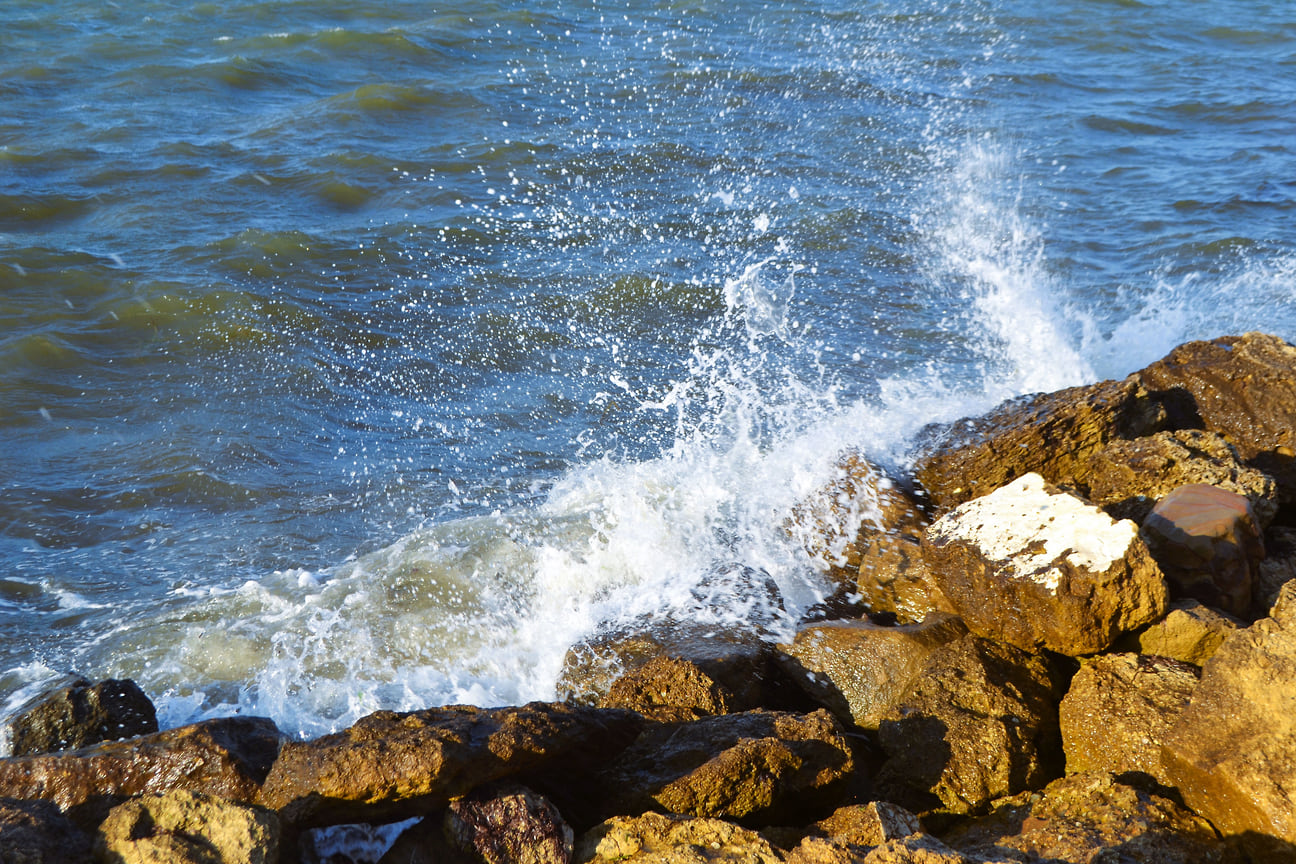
(654, 838)
(978, 721)
(1190, 632)
(669, 690)
(514, 826)
(37, 832)
(229, 757)
(187, 827)
(1208, 544)
(74, 713)
(1036, 567)
(1127, 478)
(858, 668)
(391, 766)
(1091, 818)
(1052, 434)
(1232, 752)
(1244, 388)
(760, 767)
(1119, 709)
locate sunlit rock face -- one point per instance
(1037, 567)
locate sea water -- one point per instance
(369, 355)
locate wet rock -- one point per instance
(669, 690)
(978, 721)
(1276, 570)
(654, 838)
(1127, 478)
(1052, 434)
(37, 832)
(858, 669)
(1191, 632)
(391, 766)
(75, 713)
(1119, 709)
(740, 661)
(229, 757)
(187, 827)
(1208, 545)
(1091, 818)
(1036, 567)
(829, 520)
(514, 826)
(1232, 752)
(1244, 388)
(760, 767)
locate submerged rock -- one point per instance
(229, 757)
(978, 721)
(187, 827)
(1190, 632)
(1242, 387)
(1119, 709)
(76, 713)
(1127, 478)
(1208, 545)
(1052, 434)
(1232, 752)
(391, 766)
(1036, 567)
(857, 668)
(1092, 818)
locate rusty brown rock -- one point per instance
(514, 826)
(1052, 434)
(1190, 632)
(75, 713)
(229, 757)
(858, 669)
(1244, 388)
(391, 766)
(37, 832)
(1037, 567)
(669, 690)
(1127, 478)
(1092, 818)
(1208, 544)
(978, 721)
(187, 827)
(1119, 709)
(1232, 752)
(760, 767)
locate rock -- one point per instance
(760, 767)
(828, 521)
(1119, 709)
(229, 757)
(1208, 545)
(1276, 570)
(75, 713)
(1091, 818)
(1190, 632)
(1244, 388)
(977, 722)
(1036, 567)
(425, 843)
(919, 849)
(740, 661)
(1126, 478)
(1052, 434)
(391, 766)
(654, 838)
(1232, 752)
(516, 826)
(870, 824)
(669, 690)
(857, 668)
(187, 827)
(37, 832)
(893, 577)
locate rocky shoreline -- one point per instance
(1068, 636)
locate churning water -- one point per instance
(360, 355)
